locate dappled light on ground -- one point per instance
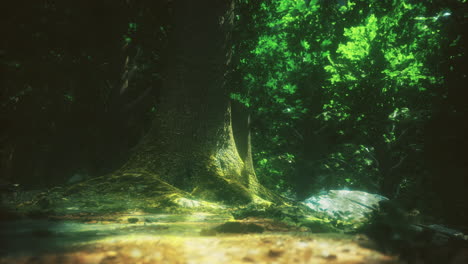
(219, 249)
(179, 239)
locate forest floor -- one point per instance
(142, 238)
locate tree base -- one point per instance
(139, 191)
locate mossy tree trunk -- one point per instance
(191, 143)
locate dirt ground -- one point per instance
(187, 243)
(224, 249)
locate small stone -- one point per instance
(132, 220)
(248, 259)
(329, 256)
(274, 253)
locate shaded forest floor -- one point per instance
(169, 238)
(138, 218)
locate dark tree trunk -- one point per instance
(191, 143)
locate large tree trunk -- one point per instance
(191, 143)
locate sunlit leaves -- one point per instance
(400, 62)
(360, 40)
(357, 67)
(399, 114)
(305, 44)
(290, 88)
(263, 162)
(267, 44)
(403, 68)
(276, 59)
(240, 98)
(347, 7)
(378, 72)
(132, 27)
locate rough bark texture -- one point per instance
(191, 143)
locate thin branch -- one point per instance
(402, 158)
(298, 134)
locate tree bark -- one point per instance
(191, 143)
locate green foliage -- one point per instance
(273, 169)
(360, 39)
(355, 76)
(375, 78)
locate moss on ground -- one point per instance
(114, 193)
(145, 192)
(294, 214)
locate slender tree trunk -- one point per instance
(242, 137)
(191, 143)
